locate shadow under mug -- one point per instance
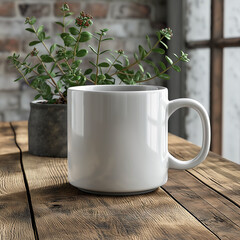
(118, 138)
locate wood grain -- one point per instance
(216, 172)
(15, 219)
(64, 212)
(213, 210)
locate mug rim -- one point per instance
(113, 88)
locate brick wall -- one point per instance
(128, 21)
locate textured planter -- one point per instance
(47, 129)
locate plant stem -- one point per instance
(64, 22)
(25, 79)
(113, 63)
(43, 43)
(98, 50)
(54, 83)
(90, 80)
(76, 45)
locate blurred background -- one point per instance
(209, 30)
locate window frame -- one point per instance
(216, 44)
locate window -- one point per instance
(213, 39)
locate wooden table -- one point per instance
(37, 202)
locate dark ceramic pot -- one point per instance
(47, 129)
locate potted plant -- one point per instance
(53, 72)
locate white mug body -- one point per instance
(118, 138)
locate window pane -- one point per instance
(197, 19)
(231, 18)
(231, 104)
(197, 87)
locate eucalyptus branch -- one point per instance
(45, 46)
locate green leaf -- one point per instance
(46, 91)
(37, 96)
(162, 65)
(73, 31)
(93, 49)
(30, 30)
(101, 77)
(63, 35)
(59, 84)
(69, 54)
(164, 76)
(118, 66)
(142, 51)
(109, 60)
(40, 29)
(135, 56)
(76, 63)
(93, 77)
(148, 75)
(41, 36)
(59, 23)
(175, 55)
(88, 71)
(169, 60)
(82, 53)
(53, 66)
(93, 63)
(46, 58)
(69, 41)
(32, 20)
(141, 67)
(104, 52)
(40, 69)
(34, 43)
(64, 65)
(17, 79)
(68, 14)
(149, 42)
(156, 70)
(159, 35)
(104, 30)
(159, 50)
(164, 44)
(126, 60)
(85, 36)
(104, 64)
(176, 68)
(106, 39)
(53, 47)
(108, 76)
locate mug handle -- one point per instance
(186, 102)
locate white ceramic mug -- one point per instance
(118, 138)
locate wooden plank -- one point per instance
(64, 212)
(215, 171)
(216, 76)
(15, 219)
(214, 210)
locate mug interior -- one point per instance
(117, 88)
